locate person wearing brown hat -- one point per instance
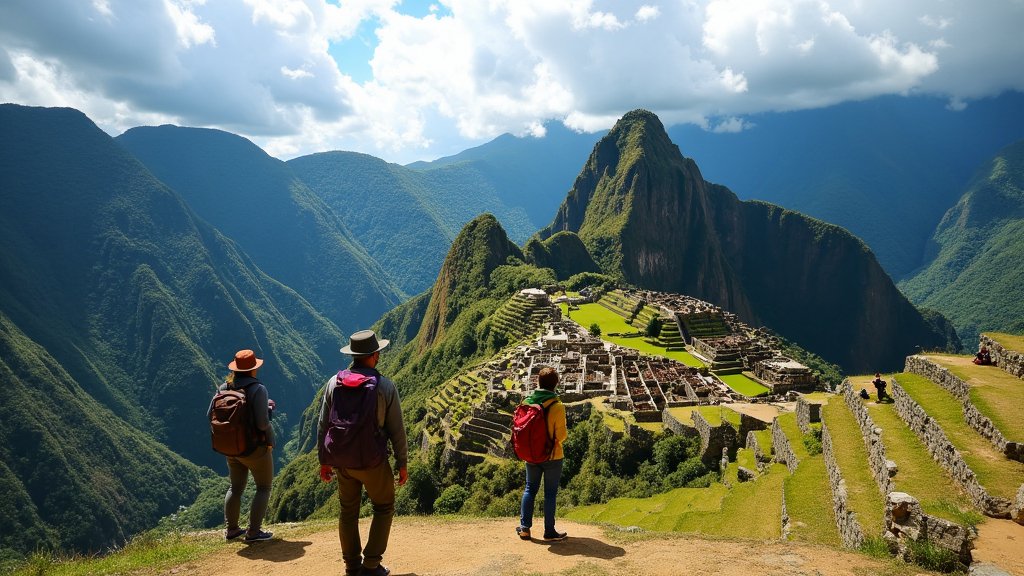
(359, 415)
(260, 461)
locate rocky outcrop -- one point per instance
(961, 390)
(1017, 511)
(850, 532)
(906, 522)
(1009, 360)
(943, 452)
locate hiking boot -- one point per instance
(380, 570)
(232, 533)
(524, 533)
(554, 537)
(258, 536)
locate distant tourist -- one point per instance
(359, 415)
(551, 469)
(239, 417)
(880, 385)
(864, 393)
(983, 357)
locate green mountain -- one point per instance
(120, 309)
(647, 216)
(385, 207)
(258, 202)
(564, 252)
(974, 276)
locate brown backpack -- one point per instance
(232, 431)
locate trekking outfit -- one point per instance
(880, 388)
(550, 470)
(256, 458)
(360, 414)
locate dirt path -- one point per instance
(423, 546)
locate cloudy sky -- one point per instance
(409, 80)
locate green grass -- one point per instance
(788, 423)
(809, 504)
(764, 440)
(715, 415)
(818, 397)
(1013, 342)
(999, 476)
(611, 322)
(743, 385)
(747, 510)
(919, 475)
(863, 496)
(996, 393)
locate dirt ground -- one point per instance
(763, 412)
(1000, 542)
(435, 546)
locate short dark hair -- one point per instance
(547, 378)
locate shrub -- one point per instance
(653, 327)
(595, 329)
(812, 442)
(932, 557)
(451, 500)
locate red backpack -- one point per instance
(530, 438)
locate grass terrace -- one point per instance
(788, 424)
(743, 385)
(1013, 342)
(715, 415)
(863, 496)
(811, 517)
(919, 475)
(999, 475)
(996, 393)
(610, 322)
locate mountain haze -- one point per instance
(648, 217)
(259, 203)
(975, 277)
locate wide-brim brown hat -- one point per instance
(364, 343)
(244, 361)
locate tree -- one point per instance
(595, 330)
(654, 327)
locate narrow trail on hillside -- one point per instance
(427, 546)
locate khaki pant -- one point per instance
(261, 464)
(380, 487)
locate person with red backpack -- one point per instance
(359, 415)
(240, 429)
(537, 466)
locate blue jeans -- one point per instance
(552, 472)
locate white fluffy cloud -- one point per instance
(469, 70)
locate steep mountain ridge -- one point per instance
(647, 215)
(974, 276)
(258, 202)
(114, 292)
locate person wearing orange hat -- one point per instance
(260, 461)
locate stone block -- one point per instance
(745, 474)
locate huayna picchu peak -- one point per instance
(649, 218)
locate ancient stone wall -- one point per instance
(783, 449)
(850, 532)
(762, 454)
(807, 413)
(1009, 360)
(713, 439)
(906, 522)
(748, 424)
(943, 452)
(882, 468)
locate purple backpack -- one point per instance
(353, 439)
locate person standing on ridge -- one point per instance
(254, 454)
(551, 470)
(360, 413)
(880, 386)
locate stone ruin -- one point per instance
(781, 374)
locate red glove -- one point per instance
(326, 473)
(403, 476)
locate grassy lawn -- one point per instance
(764, 440)
(658, 512)
(611, 322)
(919, 475)
(715, 415)
(788, 423)
(1013, 342)
(818, 397)
(996, 393)
(743, 385)
(863, 496)
(1000, 476)
(809, 504)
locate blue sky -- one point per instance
(406, 81)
